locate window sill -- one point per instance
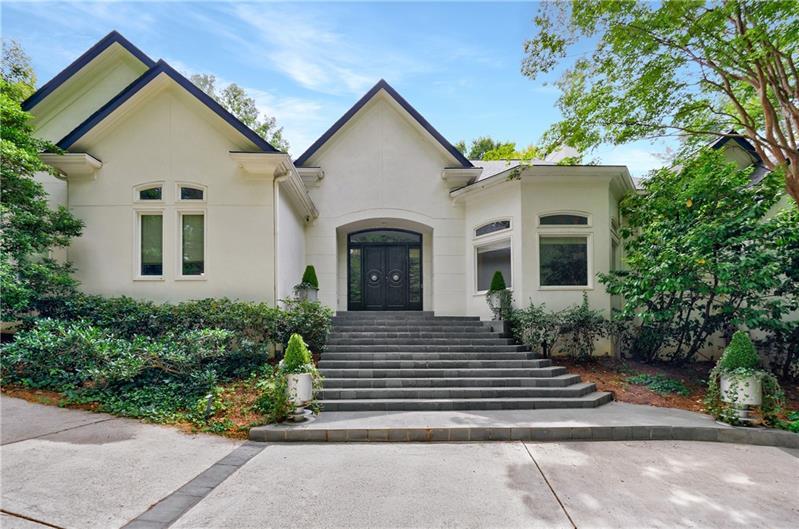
(149, 278)
(483, 293)
(192, 278)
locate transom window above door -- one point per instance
(386, 236)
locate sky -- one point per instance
(305, 64)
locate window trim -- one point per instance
(137, 214)
(491, 221)
(588, 220)
(203, 188)
(179, 275)
(487, 244)
(589, 257)
(138, 188)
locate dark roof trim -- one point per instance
(50, 86)
(382, 85)
(742, 142)
(131, 90)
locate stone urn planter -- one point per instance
(300, 389)
(741, 390)
(306, 293)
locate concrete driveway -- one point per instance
(62, 468)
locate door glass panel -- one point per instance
(415, 275)
(193, 258)
(385, 236)
(356, 296)
(152, 245)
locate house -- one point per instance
(181, 200)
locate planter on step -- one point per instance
(299, 389)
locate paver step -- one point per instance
(428, 364)
(445, 382)
(575, 390)
(544, 370)
(395, 355)
(459, 328)
(440, 348)
(398, 316)
(420, 341)
(590, 400)
(412, 335)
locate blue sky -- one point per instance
(306, 64)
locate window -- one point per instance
(492, 227)
(563, 220)
(385, 236)
(563, 261)
(191, 193)
(150, 193)
(151, 244)
(490, 259)
(192, 244)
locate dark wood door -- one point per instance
(385, 270)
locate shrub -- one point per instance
(581, 326)
(297, 357)
(309, 319)
(740, 354)
(309, 278)
(537, 327)
(497, 282)
(660, 384)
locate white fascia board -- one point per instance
(458, 177)
(72, 164)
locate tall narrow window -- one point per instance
(192, 244)
(151, 233)
(415, 275)
(491, 259)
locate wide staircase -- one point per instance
(383, 361)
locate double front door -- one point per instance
(385, 274)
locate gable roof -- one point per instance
(742, 142)
(64, 75)
(161, 67)
(383, 85)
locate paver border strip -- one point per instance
(754, 436)
(169, 509)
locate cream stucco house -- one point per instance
(181, 201)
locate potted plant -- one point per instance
(737, 384)
(499, 297)
(308, 288)
(297, 366)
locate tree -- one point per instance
(486, 148)
(236, 101)
(703, 256)
(30, 228)
(698, 69)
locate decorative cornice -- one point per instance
(73, 164)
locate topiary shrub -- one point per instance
(297, 357)
(740, 354)
(497, 282)
(309, 278)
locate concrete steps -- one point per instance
(394, 361)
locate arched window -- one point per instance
(189, 192)
(492, 227)
(564, 250)
(563, 219)
(151, 193)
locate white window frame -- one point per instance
(179, 276)
(589, 220)
(138, 213)
(589, 256)
(147, 185)
(494, 243)
(503, 231)
(194, 185)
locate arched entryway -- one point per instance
(384, 269)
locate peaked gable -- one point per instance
(383, 85)
(161, 67)
(78, 64)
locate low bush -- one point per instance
(534, 325)
(660, 384)
(581, 326)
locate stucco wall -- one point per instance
(290, 245)
(171, 138)
(380, 170)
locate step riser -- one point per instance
(419, 341)
(459, 393)
(448, 329)
(398, 348)
(367, 335)
(431, 364)
(543, 372)
(421, 405)
(551, 382)
(429, 356)
(399, 316)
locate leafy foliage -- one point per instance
(30, 228)
(739, 354)
(236, 101)
(703, 255)
(580, 327)
(309, 277)
(486, 148)
(701, 69)
(536, 326)
(660, 384)
(297, 357)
